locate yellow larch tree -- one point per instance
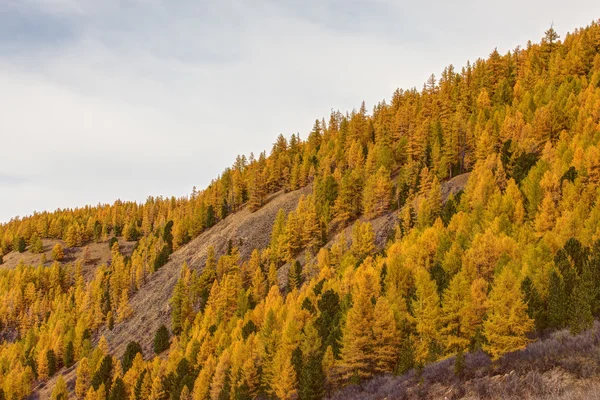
(507, 323)
(426, 318)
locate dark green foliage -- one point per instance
(103, 374)
(579, 309)
(459, 364)
(536, 308)
(318, 288)
(19, 244)
(97, 231)
(118, 390)
(557, 301)
(162, 257)
(36, 245)
(248, 329)
(52, 364)
(522, 164)
(406, 357)
(161, 340)
(132, 349)
(132, 232)
(297, 361)
(328, 321)
(312, 379)
(210, 217)
(439, 275)
(570, 175)
(450, 208)
(112, 241)
(110, 321)
(167, 236)
(69, 355)
(308, 305)
(138, 385)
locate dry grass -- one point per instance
(561, 367)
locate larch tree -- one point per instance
(507, 323)
(386, 337)
(426, 317)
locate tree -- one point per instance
(19, 244)
(377, 193)
(579, 308)
(507, 322)
(69, 354)
(426, 317)
(358, 341)
(457, 315)
(386, 337)
(57, 252)
(284, 386)
(83, 380)
(132, 349)
(557, 302)
(161, 340)
(36, 245)
(103, 374)
(118, 390)
(60, 391)
(328, 321)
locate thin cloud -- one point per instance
(124, 99)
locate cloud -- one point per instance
(124, 99)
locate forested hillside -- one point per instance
(491, 268)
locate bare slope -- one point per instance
(99, 253)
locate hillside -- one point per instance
(560, 366)
(457, 222)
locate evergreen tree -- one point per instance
(131, 350)
(557, 302)
(579, 308)
(161, 340)
(118, 390)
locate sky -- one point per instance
(106, 99)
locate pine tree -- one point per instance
(118, 390)
(557, 302)
(579, 308)
(161, 339)
(507, 324)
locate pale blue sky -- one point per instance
(107, 99)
